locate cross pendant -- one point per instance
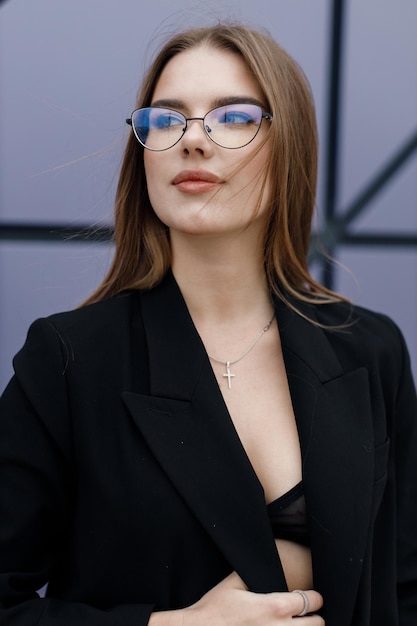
(228, 375)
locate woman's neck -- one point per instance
(222, 282)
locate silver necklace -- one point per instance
(228, 364)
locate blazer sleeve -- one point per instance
(405, 450)
(37, 488)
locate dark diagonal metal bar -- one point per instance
(378, 182)
(335, 230)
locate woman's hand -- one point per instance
(231, 604)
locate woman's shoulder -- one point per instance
(97, 314)
(360, 334)
(83, 333)
(348, 316)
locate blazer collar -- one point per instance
(187, 426)
(334, 420)
(168, 323)
(186, 423)
(302, 336)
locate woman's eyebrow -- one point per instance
(236, 100)
(168, 104)
(218, 102)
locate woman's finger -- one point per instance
(306, 601)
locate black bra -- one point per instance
(288, 516)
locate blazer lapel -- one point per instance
(335, 426)
(186, 424)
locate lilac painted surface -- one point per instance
(69, 75)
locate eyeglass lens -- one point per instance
(230, 126)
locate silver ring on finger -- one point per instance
(306, 607)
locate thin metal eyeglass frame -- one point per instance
(129, 121)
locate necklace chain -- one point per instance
(228, 364)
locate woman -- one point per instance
(215, 438)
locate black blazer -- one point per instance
(124, 484)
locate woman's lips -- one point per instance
(195, 181)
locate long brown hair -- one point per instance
(142, 252)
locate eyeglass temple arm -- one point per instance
(129, 121)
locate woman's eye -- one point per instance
(236, 117)
(166, 120)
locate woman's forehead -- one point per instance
(206, 74)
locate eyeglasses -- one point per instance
(230, 126)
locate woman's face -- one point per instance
(191, 186)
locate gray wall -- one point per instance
(69, 75)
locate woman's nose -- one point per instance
(195, 137)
